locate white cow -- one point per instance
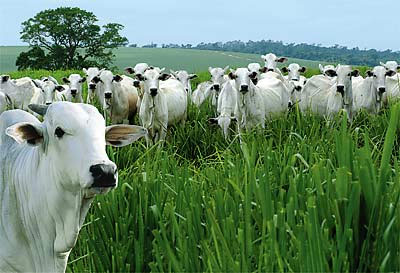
(250, 110)
(74, 91)
(22, 92)
(118, 97)
(50, 172)
(51, 90)
(367, 94)
(164, 103)
(295, 81)
(327, 97)
(184, 77)
(227, 101)
(392, 81)
(5, 102)
(90, 73)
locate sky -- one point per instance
(352, 23)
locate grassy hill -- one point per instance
(170, 58)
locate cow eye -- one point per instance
(59, 132)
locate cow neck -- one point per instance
(50, 215)
(371, 94)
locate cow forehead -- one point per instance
(92, 71)
(140, 68)
(183, 74)
(254, 66)
(75, 77)
(106, 75)
(270, 57)
(242, 72)
(294, 67)
(151, 74)
(217, 71)
(73, 116)
(329, 67)
(343, 70)
(379, 70)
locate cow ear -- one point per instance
(139, 77)
(83, 80)
(321, 68)
(122, 135)
(129, 70)
(60, 88)
(226, 68)
(192, 76)
(263, 57)
(213, 120)
(164, 77)
(65, 80)
(26, 132)
(232, 75)
(355, 73)
(84, 70)
(303, 69)
(398, 67)
(117, 78)
(284, 69)
(281, 59)
(209, 69)
(253, 75)
(369, 73)
(263, 69)
(382, 64)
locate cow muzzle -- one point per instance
(340, 89)
(92, 86)
(136, 84)
(74, 92)
(216, 87)
(270, 70)
(244, 89)
(108, 95)
(153, 92)
(104, 175)
(298, 88)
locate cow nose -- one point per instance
(73, 92)
(216, 87)
(107, 95)
(104, 175)
(92, 86)
(298, 88)
(381, 90)
(340, 89)
(244, 88)
(270, 69)
(48, 103)
(295, 79)
(153, 91)
(136, 84)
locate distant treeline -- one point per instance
(333, 54)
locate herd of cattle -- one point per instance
(50, 171)
(249, 95)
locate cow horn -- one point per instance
(38, 108)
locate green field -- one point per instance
(302, 195)
(188, 59)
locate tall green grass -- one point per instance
(302, 195)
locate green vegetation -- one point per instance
(188, 59)
(303, 195)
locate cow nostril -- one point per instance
(270, 70)
(244, 88)
(92, 86)
(382, 89)
(216, 87)
(107, 95)
(136, 83)
(298, 88)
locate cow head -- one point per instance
(391, 66)
(74, 82)
(91, 73)
(184, 77)
(271, 61)
(294, 70)
(49, 87)
(138, 71)
(151, 81)
(73, 138)
(378, 76)
(344, 74)
(108, 80)
(328, 70)
(243, 79)
(4, 78)
(217, 77)
(254, 67)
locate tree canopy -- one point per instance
(66, 38)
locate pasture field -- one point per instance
(170, 58)
(302, 195)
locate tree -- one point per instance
(66, 38)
